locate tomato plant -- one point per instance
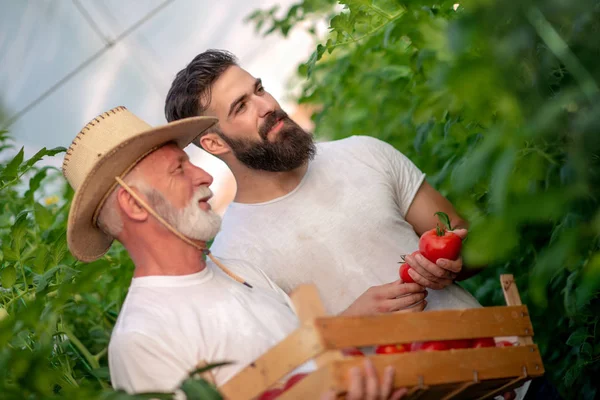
(499, 104)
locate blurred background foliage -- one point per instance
(498, 102)
(56, 314)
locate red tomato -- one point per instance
(429, 346)
(352, 351)
(459, 344)
(392, 348)
(270, 394)
(483, 342)
(293, 380)
(504, 343)
(433, 246)
(404, 275)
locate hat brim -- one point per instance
(86, 241)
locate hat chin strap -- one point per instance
(187, 240)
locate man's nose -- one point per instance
(201, 177)
(265, 105)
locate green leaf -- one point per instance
(101, 373)
(59, 249)
(43, 216)
(391, 73)
(35, 182)
(490, 240)
(578, 337)
(19, 230)
(199, 389)
(208, 368)
(444, 219)
(40, 154)
(587, 351)
(9, 253)
(8, 276)
(12, 168)
(572, 374)
(41, 260)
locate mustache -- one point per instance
(270, 121)
(202, 192)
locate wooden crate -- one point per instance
(452, 374)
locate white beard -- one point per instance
(191, 221)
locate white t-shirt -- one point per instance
(169, 324)
(342, 228)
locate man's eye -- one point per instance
(260, 89)
(241, 107)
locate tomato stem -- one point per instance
(445, 220)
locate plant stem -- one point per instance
(80, 346)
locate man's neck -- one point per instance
(166, 255)
(254, 186)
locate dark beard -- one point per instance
(292, 148)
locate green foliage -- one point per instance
(56, 314)
(498, 102)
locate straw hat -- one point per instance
(110, 145)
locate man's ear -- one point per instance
(130, 207)
(214, 144)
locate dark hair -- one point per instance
(190, 92)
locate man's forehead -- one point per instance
(167, 153)
(234, 82)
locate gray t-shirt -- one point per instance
(342, 228)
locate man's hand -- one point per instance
(364, 385)
(435, 275)
(391, 297)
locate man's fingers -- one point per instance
(418, 278)
(431, 268)
(398, 394)
(451, 265)
(462, 233)
(428, 269)
(372, 383)
(329, 395)
(416, 264)
(387, 383)
(397, 289)
(405, 301)
(416, 308)
(356, 387)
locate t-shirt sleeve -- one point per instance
(139, 363)
(404, 177)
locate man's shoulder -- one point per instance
(350, 143)
(141, 317)
(363, 148)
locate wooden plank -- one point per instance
(308, 306)
(453, 394)
(300, 346)
(512, 298)
(452, 366)
(340, 332)
(312, 386)
(433, 375)
(307, 303)
(505, 388)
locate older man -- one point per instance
(135, 184)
